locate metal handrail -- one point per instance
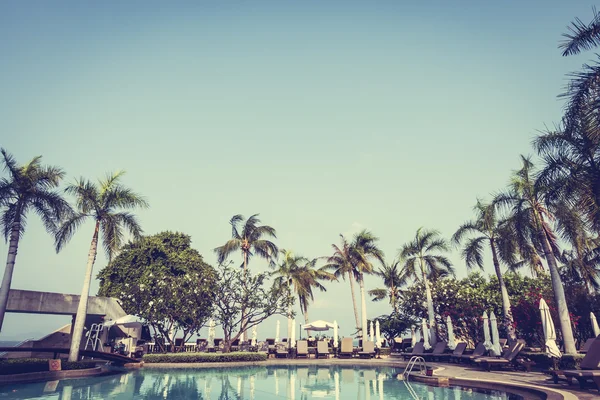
(411, 365)
(411, 391)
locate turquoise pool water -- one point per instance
(251, 383)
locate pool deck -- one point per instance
(537, 380)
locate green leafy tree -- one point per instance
(364, 251)
(526, 202)
(102, 203)
(424, 262)
(487, 231)
(239, 310)
(342, 265)
(395, 324)
(393, 280)
(163, 280)
(28, 187)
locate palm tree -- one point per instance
(488, 231)
(250, 242)
(364, 250)
(342, 265)
(423, 262)
(101, 203)
(393, 279)
(301, 276)
(28, 187)
(526, 202)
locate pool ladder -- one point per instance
(411, 364)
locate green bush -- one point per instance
(203, 357)
(24, 365)
(542, 361)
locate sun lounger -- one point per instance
(346, 349)
(507, 358)
(587, 345)
(368, 350)
(302, 349)
(590, 367)
(281, 350)
(418, 350)
(322, 349)
(458, 351)
(479, 351)
(438, 350)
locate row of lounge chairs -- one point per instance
(322, 350)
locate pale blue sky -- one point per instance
(324, 117)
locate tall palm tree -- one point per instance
(526, 202)
(364, 251)
(103, 203)
(488, 231)
(423, 262)
(250, 241)
(393, 280)
(28, 187)
(342, 265)
(301, 276)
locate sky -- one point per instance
(324, 117)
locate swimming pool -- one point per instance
(299, 382)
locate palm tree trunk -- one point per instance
(430, 312)
(363, 309)
(351, 280)
(10, 265)
(244, 334)
(83, 300)
(508, 318)
(559, 296)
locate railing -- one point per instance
(411, 364)
(2, 354)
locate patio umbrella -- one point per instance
(254, 335)
(426, 344)
(595, 327)
(496, 349)
(128, 321)
(487, 342)
(549, 331)
(293, 333)
(335, 335)
(371, 332)
(319, 325)
(277, 333)
(211, 333)
(377, 334)
(413, 336)
(451, 338)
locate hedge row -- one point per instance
(567, 361)
(24, 365)
(203, 357)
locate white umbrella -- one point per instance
(211, 333)
(377, 334)
(254, 336)
(549, 331)
(413, 337)
(293, 333)
(335, 335)
(426, 344)
(487, 342)
(451, 338)
(319, 325)
(371, 332)
(277, 333)
(128, 321)
(595, 327)
(496, 349)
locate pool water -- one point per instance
(251, 383)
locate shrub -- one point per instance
(24, 365)
(203, 357)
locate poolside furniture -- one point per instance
(590, 367)
(368, 350)
(438, 350)
(201, 345)
(479, 351)
(418, 350)
(346, 348)
(281, 350)
(586, 346)
(508, 358)
(302, 349)
(458, 351)
(322, 349)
